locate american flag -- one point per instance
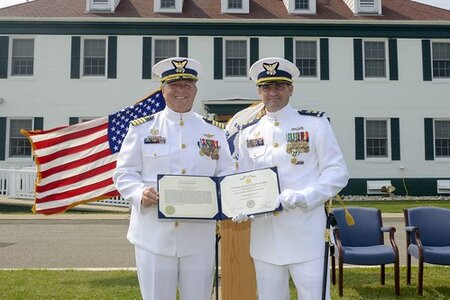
(75, 163)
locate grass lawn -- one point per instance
(359, 283)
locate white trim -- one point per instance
(386, 158)
(386, 60)
(374, 186)
(247, 63)
(290, 6)
(9, 159)
(311, 39)
(84, 38)
(225, 10)
(165, 38)
(10, 56)
(91, 6)
(443, 186)
(177, 9)
(438, 79)
(441, 158)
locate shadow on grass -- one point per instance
(108, 281)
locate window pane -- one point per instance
(165, 49)
(442, 136)
(167, 3)
(22, 57)
(94, 57)
(376, 138)
(301, 4)
(236, 58)
(234, 3)
(19, 146)
(441, 60)
(374, 59)
(306, 58)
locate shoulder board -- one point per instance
(252, 122)
(215, 123)
(313, 113)
(142, 120)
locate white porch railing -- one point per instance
(19, 184)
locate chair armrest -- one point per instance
(387, 229)
(410, 228)
(337, 240)
(391, 231)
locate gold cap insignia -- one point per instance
(179, 65)
(271, 69)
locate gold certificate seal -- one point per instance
(170, 210)
(250, 203)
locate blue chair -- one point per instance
(363, 243)
(427, 239)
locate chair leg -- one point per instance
(333, 270)
(397, 277)
(382, 274)
(408, 269)
(341, 277)
(420, 278)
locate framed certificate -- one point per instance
(218, 198)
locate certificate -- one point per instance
(218, 198)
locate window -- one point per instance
(167, 3)
(237, 4)
(22, 58)
(165, 48)
(441, 60)
(100, 1)
(301, 4)
(374, 59)
(442, 138)
(19, 146)
(376, 138)
(94, 61)
(236, 58)
(306, 58)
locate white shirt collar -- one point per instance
(175, 116)
(280, 114)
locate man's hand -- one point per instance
(242, 218)
(290, 199)
(150, 197)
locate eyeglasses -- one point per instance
(278, 87)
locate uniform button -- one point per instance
(154, 154)
(176, 224)
(276, 213)
(183, 146)
(181, 123)
(183, 171)
(276, 123)
(275, 145)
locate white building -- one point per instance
(380, 69)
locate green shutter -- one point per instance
(358, 59)
(324, 60)
(426, 60)
(393, 60)
(4, 47)
(146, 58)
(429, 139)
(73, 120)
(2, 138)
(183, 46)
(75, 58)
(218, 58)
(254, 50)
(289, 49)
(38, 123)
(395, 138)
(359, 138)
(112, 57)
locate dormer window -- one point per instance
(168, 6)
(300, 6)
(235, 6)
(365, 7)
(102, 5)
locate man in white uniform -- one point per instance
(171, 253)
(311, 170)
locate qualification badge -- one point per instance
(297, 142)
(154, 138)
(209, 148)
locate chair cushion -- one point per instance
(372, 255)
(432, 255)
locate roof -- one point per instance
(393, 10)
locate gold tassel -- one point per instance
(348, 217)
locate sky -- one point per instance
(438, 3)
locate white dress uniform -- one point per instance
(170, 253)
(303, 147)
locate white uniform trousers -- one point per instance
(273, 280)
(159, 275)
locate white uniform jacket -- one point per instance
(169, 143)
(318, 172)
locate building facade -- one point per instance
(380, 69)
